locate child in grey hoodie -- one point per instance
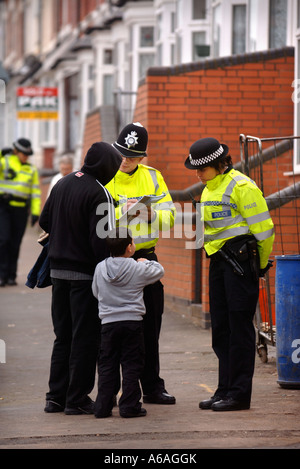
(118, 285)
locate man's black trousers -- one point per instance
(77, 334)
(154, 302)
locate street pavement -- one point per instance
(188, 366)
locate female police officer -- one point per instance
(238, 238)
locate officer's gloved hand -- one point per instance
(265, 269)
(34, 219)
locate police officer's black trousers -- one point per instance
(13, 222)
(122, 344)
(151, 382)
(233, 302)
(77, 335)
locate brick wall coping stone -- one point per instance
(221, 62)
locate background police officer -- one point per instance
(238, 238)
(19, 195)
(132, 181)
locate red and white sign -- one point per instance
(35, 102)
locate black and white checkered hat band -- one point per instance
(207, 159)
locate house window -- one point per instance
(108, 90)
(239, 29)
(199, 9)
(146, 57)
(159, 53)
(253, 15)
(159, 27)
(216, 30)
(107, 56)
(173, 54)
(72, 110)
(147, 36)
(278, 23)
(173, 22)
(200, 49)
(91, 99)
(146, 61)
(91, 92)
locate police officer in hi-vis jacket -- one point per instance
(133, 181)
(20, 195)
(238, 239)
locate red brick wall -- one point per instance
(253, 98)
(220, 98)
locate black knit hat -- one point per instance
(23, 146)
(102, 161)
(205, 151)
(132, 141)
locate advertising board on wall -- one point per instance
(35, 102)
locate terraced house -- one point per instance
(185, 69)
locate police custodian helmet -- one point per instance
(205, 151)
(132, 141)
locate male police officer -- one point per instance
(133, 181)
(19, 194)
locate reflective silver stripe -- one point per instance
(240, 230)
(225, 222)
(264, 235)
(26, 173)
(24, 195)
(228, 192)
(258, 218)
(6, 168)
(154, 178)
(17, 184)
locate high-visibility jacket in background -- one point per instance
(144, 181)
(233, 205)
(19, 184)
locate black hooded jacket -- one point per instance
(75, 207)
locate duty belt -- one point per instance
(222, 255)
(11, 198)
(240, 249)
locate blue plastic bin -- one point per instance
(287, 308)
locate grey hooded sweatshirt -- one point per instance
(118, 285)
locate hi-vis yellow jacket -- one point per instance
(144, 181)
(233, 205)
(20, 183)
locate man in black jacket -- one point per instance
(77, 215)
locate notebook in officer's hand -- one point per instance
(144, 201)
